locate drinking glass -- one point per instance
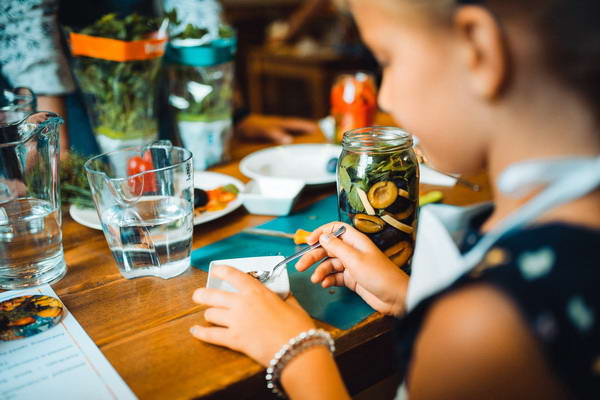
(146, 208)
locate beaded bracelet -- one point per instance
(295, 346)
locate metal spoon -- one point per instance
(264, 276)
(461, 181)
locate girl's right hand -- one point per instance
(355, 262)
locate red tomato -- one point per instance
(141, 184)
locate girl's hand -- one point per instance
(254, 320)
(355, 262)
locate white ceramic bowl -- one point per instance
(279, 284)
(271, 196)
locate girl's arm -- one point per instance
(256, 322)
(474, 345)
(313, 375)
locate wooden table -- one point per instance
(142, 325)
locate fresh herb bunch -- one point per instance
(120, 95)
(132, 27)
(193, 32)
(74, 186)
(391, 167)
(215, 105)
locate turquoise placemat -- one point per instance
(339, 307)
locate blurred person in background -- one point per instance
(31, 55)
(76, 14)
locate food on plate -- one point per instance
(215, 199)
(200, 198)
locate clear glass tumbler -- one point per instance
(146, 208)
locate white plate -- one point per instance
(210, 180)
(85, 216)
(202, 180)
(305, 162)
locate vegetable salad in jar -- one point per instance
(378, 188)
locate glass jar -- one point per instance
(378, 188)
(353, 102)
(201, 98)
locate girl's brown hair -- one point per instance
(569, 31)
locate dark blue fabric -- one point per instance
(552, 273)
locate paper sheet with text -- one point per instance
(61, 363)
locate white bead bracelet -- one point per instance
(295, 346)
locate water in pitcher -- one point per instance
(30, 243)
(153, 237)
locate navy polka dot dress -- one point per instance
(552, 273)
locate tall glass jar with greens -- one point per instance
(378, 188)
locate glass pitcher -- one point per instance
(146, 208)
(31, 251)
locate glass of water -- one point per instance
(144, 198)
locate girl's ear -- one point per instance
(483, 50)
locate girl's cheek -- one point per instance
(383, 99)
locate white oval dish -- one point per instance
(202, 180)
(305, 162)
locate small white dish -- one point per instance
(202, 180)
(271, 196)
(279, 284)
(305, 162)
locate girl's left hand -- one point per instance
(254, 320)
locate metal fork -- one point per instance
(264, 276)
(461, 181)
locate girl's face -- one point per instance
(424, 82)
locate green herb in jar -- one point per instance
(378, 188)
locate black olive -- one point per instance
(388, 237)
(200, 198)
(343, 200)
(332, 165)
(400, 181)
(399, 206)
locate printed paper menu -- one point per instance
(61, 363)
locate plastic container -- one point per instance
(201, 98)
(200, 73)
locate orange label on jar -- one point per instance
(116, 50)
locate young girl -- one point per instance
(512, 86)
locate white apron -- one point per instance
(437, 262)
